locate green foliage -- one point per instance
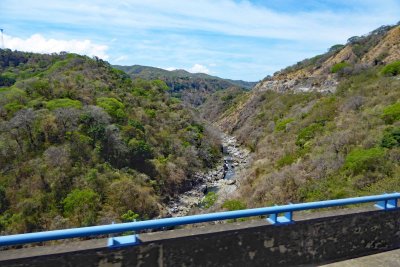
(339, 66)
(112, 106)
(3, 200)
(281, 125)
(391, 138)
(391, 113)
(234, 204)
(129, 216)
(63, 103)
(323, 111)
(360, 160)
(13, 107)
(6, 80)
(82, 206)
(209, 200)
(335, 48)
(81, 156)
(286, 160)
(140, 149)
(308, 133)
(150, 112)
(392, 69)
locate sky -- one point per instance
(234, 39)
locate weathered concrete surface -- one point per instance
(309, 241)
(387, 259)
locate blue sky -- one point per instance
(228, 38)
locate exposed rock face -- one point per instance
(214, 180)
(388, 49)
(379, 47)
(318, 84)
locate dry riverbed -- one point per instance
(223, 180)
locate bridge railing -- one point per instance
(385, 201)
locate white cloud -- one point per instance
(198, 68)
(230, 33)
(240, 18)
(170, 68)
(39, 44)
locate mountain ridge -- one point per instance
(192, 88)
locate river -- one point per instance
(223, 179)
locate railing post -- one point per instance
(287, 218)
(122, 241)
(387, 204)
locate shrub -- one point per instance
(286, 160)
(129, 216)
(391, 113)
(339, 66)
(209, 200)
(13, 107)
(234, 204)
(112, 106)
(391, 138)
(392, 69)
(139, 149)
(308, 133)
(6, 81)
(63, 103)
(360, 160)
(281, 125)
(324, 110)
(82, 206)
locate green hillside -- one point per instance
(192, 88)
(318, 144)
(83, 144)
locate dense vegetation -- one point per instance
(322, 145)
(313, 146)
(83, 144)
(192, 88)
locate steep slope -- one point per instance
(192, 88)
(83, 144)
(321, 72)
(324, 128)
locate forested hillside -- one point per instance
(325, 128)
(192, 88)
(83, 144)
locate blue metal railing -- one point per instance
(385, 201)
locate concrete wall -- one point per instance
(309, 240)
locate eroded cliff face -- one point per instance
(315, 74)
(388, 49)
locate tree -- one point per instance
(82, 206)
(21, 126)
(113, 107)
(3, 200)
(94, 121)
(66, 119)
(63, 103)
(126, 194)
(113, 147)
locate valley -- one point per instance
(223, 180)
(83, 142)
